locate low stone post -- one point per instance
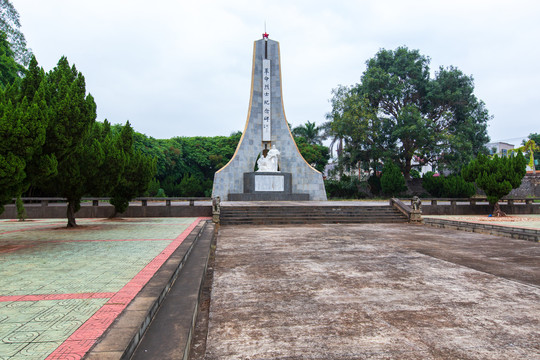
(416, 212)
(216, 209)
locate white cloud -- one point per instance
(182, 68)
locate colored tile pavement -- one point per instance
(60, 288)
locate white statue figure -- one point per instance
(270, 162)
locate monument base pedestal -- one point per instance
(268, 196)
(268, 186)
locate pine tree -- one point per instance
(139, 170)
(497, 176)
(72, 114)
(392, 180)
(22, 130)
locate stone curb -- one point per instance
(125, 334)
(498, 230)
(169, 336)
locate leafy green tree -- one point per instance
(10, 25)
(9, 68)
(180, 156)
(316, 155)
(137, 174)
(392, 180)
(497, 176)
(355, 128)
(398, 111)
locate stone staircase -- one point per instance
(269, 215)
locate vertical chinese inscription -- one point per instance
(266, 109)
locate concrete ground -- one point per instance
(374, 291)
(60, 288)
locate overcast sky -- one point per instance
(183, 68)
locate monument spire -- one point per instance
(267, 165)
(265, 35)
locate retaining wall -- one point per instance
(479, 209)
(54, 211)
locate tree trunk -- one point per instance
(407, 168)
(497, 210)
(71, 214)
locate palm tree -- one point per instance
(309, 131)
(336, 139)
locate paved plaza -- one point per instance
(61, 288)
(373, 291)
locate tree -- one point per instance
(10, 25)
(139, 170)
(72, 116)
(392, 180)
(180, 156)
(531, 147)
(190, 186)
(23, 123)
(354, 124)
(309, 131)
(316, 155)
(398, 112)
(33, 87)
(497, 176)
(9, 68)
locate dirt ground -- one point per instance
(373, 291)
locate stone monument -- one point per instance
(267, 164)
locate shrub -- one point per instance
(453, 186)
(345, 188)
(161, 193)
(433, 184)
(374, 183)
(191, 186)
(415, 174)
(21, 211)
(392, 180)
(153, 187)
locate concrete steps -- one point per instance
(268, 215)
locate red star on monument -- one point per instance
(265, 35)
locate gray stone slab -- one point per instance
(255, 182)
